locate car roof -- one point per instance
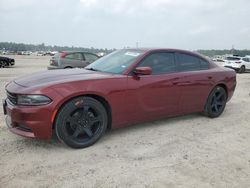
(66, 51)
(163, 49)
(170, 50)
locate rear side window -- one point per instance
(204, 64)
(76, 56)
(90, 57)
(246, 59)
(160, 62)
(233, 58)
(188, 62)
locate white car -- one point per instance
(219, 61)
(239, 64)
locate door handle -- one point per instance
(185, 83)
(182, 83)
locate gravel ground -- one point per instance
(188, 151)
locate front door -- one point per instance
(156, 95)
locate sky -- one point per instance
(185, 24)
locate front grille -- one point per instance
(12, 98)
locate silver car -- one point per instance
(67, 59)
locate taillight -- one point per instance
(63, 54)
(237, 62)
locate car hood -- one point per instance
(60, 76)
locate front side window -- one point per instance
(160, 62)
(76, 56)
(246, 59)
(90, 57)
(188, 62)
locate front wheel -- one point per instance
(3, 64)
(216, 102)
(81, 122)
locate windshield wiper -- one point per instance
(92, 69)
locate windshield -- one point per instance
(116, 62)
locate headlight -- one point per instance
(32, 100)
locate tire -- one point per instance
(3, 64)
(68, 67)
(216, 102)
(81, 122)
(242, 69)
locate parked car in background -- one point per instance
(67, 59)
(219, 60)
(125, 87)
(6, 61)
(239, 64)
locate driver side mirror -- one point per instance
(143, 71)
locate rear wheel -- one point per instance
(81, 122)
(216, 102)
(242, 69)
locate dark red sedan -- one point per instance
(125, 87)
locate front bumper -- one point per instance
(32, 122)
(51, 67)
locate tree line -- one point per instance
(16, 47)
(212, 53)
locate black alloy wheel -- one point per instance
(3, 64)
(81, 122)
(216, 102)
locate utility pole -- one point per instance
(137, 44)
(233, 49)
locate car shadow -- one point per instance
(44, 144)
(55, 143)
(9, 67)
(151, 124)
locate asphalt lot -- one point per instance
(189, 151)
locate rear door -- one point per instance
(195, 82)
